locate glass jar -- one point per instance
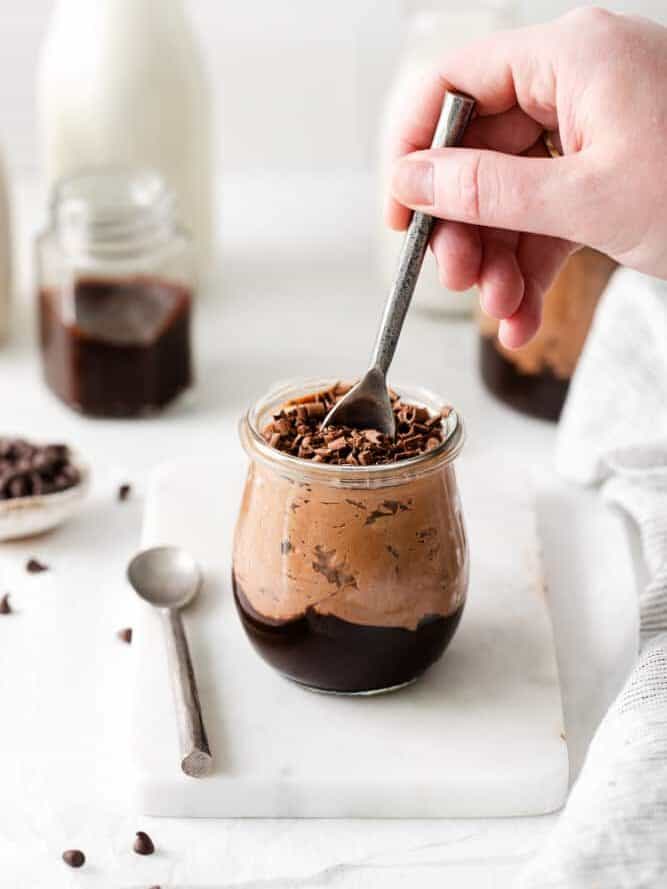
(535, 378)
(116, 281)
(349, 579)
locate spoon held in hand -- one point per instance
(367, 405)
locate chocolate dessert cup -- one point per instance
(535, 378)
(350, 578)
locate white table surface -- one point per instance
(64, 676)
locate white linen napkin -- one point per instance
(613, 432)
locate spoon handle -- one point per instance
(196, 756)
(454, 118)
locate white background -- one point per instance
(311, 73)
(298, 89)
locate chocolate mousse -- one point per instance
(346, 583)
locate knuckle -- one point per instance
(468, 187)
(484, 189)
(591, 15)
(594, 23)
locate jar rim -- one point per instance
(346, 475)
(113, 210)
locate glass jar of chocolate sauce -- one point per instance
(535, 378)
(116, 283)
(349, 578)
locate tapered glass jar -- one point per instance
(115, 288)
(349, 579)
(535, 378)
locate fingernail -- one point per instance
(412, 183)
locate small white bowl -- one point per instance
(28, 516)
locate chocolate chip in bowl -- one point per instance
(41, 485)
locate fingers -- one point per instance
(539, 195)
(501, 285)
(511, 132)
(458, 251)
(540, 260)
(493, 70)
(506, 70)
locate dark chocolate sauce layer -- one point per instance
(117, 348)
(540, 394)
(330, 654)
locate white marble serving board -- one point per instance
(481, 734)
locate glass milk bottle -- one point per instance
(121, 82)
(431, 35)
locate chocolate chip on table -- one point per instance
(143, 844)
(34, 566)
(5, 607)
(125, 635)
(74, 857)
(124, 492)
(28, 470)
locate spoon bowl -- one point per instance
(366, 406)
(165, 576)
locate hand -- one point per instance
(513, 213)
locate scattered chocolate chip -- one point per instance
(125, 635)
(143, 844)
(5, 607)
(124, 492)
(296, 429)
(74, 857)
(34, 566)
(28, 470)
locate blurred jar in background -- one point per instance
(535, 378)
(115, 276)
(121, 82)
(430, 35)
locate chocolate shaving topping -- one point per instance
(124, 492)
(296, 429)
(5, 607)
(34, 566)
(125, 635)
(28, 470)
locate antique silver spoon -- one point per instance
(367, 405)
(169, 579)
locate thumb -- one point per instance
(547, 196)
